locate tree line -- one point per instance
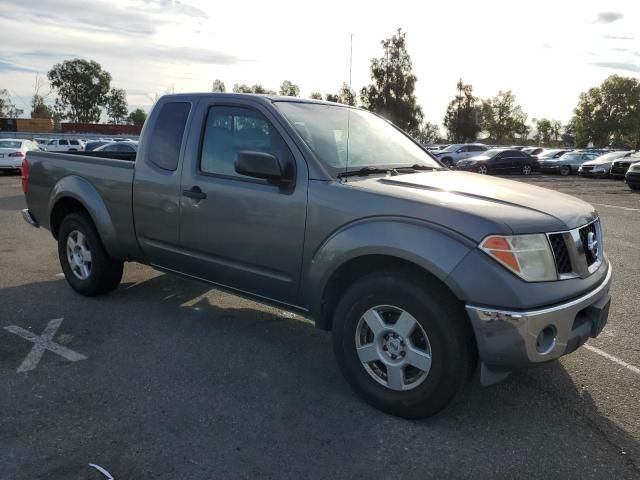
(608, 114)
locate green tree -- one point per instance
(608, 113)
(544, 131)
(556, 130)
(218, 86)
(137, 117)
(116, 104)
(392, 92)
(39, 109)
(503, 120)
(346, 95)
(288, 89)
(7, 107)
(463, 116)
(331, 97)
(315, 96)
(82, 87)
(257, 88)
(427, 133)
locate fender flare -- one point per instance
(429, 246)
(83, 192)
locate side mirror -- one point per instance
(261, 165)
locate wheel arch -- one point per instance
(428, 251)
(74, 194)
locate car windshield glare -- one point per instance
(344, 138)
(490, 153)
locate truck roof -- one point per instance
(264, 97)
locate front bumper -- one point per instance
(510, 339)
(593, 174)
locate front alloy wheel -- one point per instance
(526, 169)
(483, 170)
(393, 347)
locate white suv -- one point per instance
(65, 145)
(459, 151)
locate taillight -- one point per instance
(25, 175)
(16, 154)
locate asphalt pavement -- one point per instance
(170, 379)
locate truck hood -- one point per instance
(476, 205)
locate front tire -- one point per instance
(87, 266)
(403, 344)
(526, 169)
(483, 170)
(565, 171)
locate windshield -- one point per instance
(10, 144)
(451, 148)
(548, 154)
(344, 138)
(490, 153)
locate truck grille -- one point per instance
(578, 252)
(560, 253)
(590, 254)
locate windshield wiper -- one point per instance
(364, 171)
(418, 167)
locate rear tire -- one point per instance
(446, 355)
(87, 266)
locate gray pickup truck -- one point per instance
(421, 273)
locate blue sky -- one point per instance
(546, 52)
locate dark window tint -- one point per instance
(73, 142)
(230, 130)
(166, 136)
(64, 142)
(477, 148)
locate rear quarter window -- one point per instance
(166, 136)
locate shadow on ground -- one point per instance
(186, 382)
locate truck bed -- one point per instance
(103, 185)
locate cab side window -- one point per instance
(230, 130)
(165, 141)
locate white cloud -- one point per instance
(150, 46)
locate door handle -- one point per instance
(195, 193)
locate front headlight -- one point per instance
(635, 168)
(528, 256)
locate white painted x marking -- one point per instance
(42, 343)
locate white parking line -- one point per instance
(613, 359)
(616, 206)
(42, 343)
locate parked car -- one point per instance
(632, 177)
(533, 150)
(420, 272)
(93, 144)
(453, 153)
(551, 153)
(13, 151)
(65, 145)
(567, 164)
(499, 160)
(601, 166)
(118, 147)
(620, 167)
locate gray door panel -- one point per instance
(246, 234)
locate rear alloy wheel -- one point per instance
(526, 169)
(564, 171)
(483, 170)
(87, 266)
(403, 343)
